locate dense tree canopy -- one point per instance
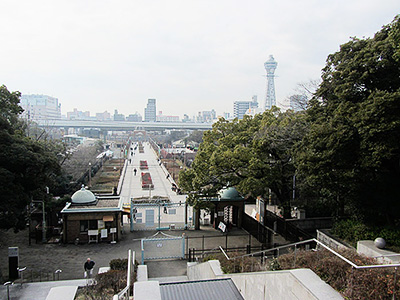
(27, 166)
(352, 151)
(253, 154)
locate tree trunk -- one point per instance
(197, 218)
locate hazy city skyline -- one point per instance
(191, 56)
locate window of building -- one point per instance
(172, 211)
(86, 225)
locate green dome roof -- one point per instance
(229, 194)
(83, 196)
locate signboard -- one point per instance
(113, 230)
(93, 232)
(103, 233)
(222, 226)
(100, 224)
(221, 213)
(12, 251)
(13, 263)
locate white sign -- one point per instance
(12, 251)
(93, 232)
(103, 233)
(222, 226)
(113, 230)
(221, 213)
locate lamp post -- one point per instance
(90, 175)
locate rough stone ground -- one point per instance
(70, 258)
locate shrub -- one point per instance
(113, 280)
(119, 264)
(353, 231)
(351, 283)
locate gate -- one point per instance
(165, 247)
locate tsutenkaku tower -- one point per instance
(270, 67)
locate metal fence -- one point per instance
(165, 247)
(265, 257)
(199, 246)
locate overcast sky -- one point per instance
(190, 55)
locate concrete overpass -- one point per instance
(123, 125)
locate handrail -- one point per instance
(126, 290)
(324, 246)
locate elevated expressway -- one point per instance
(123, 125)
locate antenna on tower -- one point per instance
(270, 66)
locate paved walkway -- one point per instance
(132, 187)
(37, 290)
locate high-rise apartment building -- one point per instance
(150, 111)
(40, 107)
(240, 107)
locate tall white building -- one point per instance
(40, 108)
(240, 107)
(150, 114)
(270, 66)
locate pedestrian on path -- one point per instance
(134, 171)
(88, 266)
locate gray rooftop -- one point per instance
(200, 290)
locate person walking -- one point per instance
(134, 171)
(88, 266)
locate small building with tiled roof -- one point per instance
(90, 218)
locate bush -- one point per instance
(353, 231)
(351, 283)
(119, 264)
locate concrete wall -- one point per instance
(312, 223)
(383, 256)
(300, 284)
(330, 241)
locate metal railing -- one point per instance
(125, 293)
(277, 250)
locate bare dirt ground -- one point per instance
(42, 260)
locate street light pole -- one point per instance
(90, 175)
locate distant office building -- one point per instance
(150, 111)
(298, 102)
(78, 115)
(240, 107)
(105, 116)
(162, 118)
(186, 118)
(207, 116)
(270, 67)
(40, 107)
(118, 117)
(136, 117)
